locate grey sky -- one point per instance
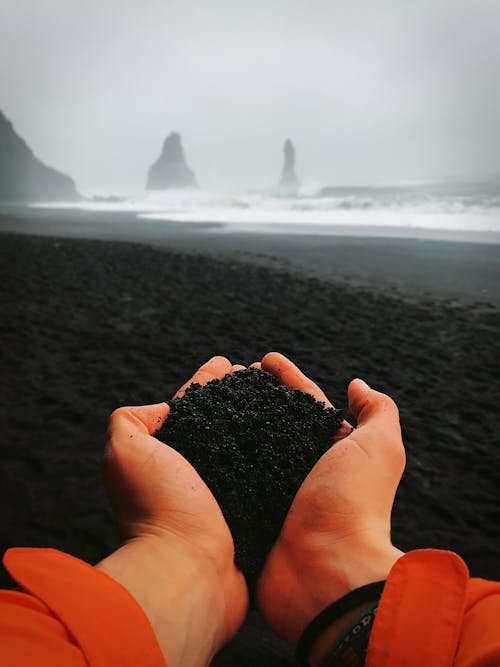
(369, 90)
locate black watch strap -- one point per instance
(331, 614)
(350, 650)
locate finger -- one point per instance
(237, 367)
(256, 364)
(373, 408)
(214, 369)
(288, 373)
(147, 419)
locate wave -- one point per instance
(435, 206)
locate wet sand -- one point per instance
(91, 325)
(456, 266)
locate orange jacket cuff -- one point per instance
(420, 614)
(100, 616)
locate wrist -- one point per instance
(180, 591)
(313, 578)
(336, 632)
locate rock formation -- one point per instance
(171, 169)
(289, 182)
(23, 177)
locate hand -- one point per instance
(178, 560)
(336, 536)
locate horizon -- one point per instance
(304, 190)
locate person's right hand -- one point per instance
(178, 558)
(336, 536)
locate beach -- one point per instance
(410, 262)
(90, 324)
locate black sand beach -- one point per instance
(461, 266)
(91, 325)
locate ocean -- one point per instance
(458, 212)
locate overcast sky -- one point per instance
(368, 90)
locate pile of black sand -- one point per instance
(253, 441)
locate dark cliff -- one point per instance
(23, 177)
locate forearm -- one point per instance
(178, 594)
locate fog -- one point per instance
(370, 91)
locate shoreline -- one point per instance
(410, 268)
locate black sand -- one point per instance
(459, 266)
(87, 326)
(253, 441)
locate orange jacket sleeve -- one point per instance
(431, 613)
(70, 614)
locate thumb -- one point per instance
(135, 463)
(145, 419)
(129, 446)
(373, 408)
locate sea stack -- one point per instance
(25, 178)
(171, 169)
(289, 182)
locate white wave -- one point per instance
(302, 221)
(388, 206)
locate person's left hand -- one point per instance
(178, 560)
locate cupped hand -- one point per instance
(336, 536)
(179, 557)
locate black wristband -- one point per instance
(350, 650)
(331, 614)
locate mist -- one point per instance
(369, 92)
